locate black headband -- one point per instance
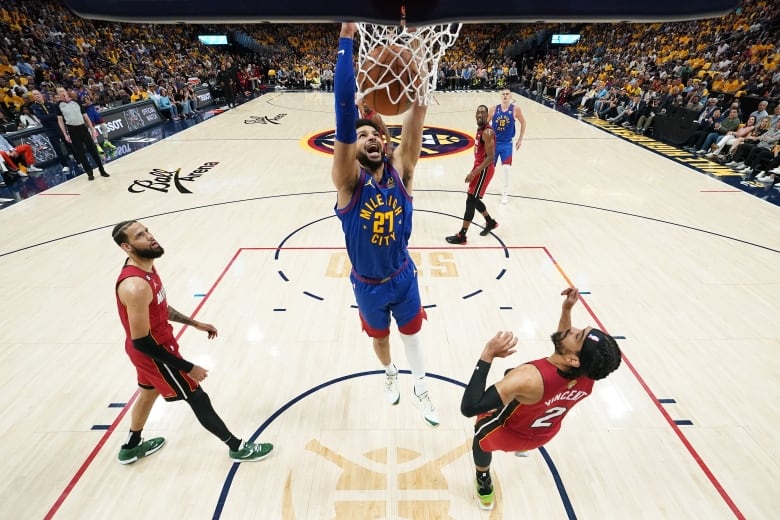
(593, 339)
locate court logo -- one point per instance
(436, 141)
(162, 180)
(263, 120)
(364, 484)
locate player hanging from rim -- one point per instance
(374, 205)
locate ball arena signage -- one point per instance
(436, 141)
(161, 180)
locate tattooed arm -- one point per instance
(174, 315)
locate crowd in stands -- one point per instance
(624, 73)
(724, 70)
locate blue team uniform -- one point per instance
(503, 124)
(377, 224)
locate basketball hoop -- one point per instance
(426, 44)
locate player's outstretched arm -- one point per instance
(476, 399)
(572, 296)
(407, 153)
(178, 317)
(345, 168)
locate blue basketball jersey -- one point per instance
(377, 224)
(503, 123)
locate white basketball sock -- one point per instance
(414, 356)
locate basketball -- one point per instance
(390, 66)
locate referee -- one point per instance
(78, 131)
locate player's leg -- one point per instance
(490, 223)
(486, 424)
(375, 320)
(238, 451)
(477, 185)
(135, 447)
(490, 435)
(468, 216)
(143, 406)
(382, 351)
(504, 155)
(409, 316)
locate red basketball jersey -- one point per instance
(536, 424)
(161, 329)
(479, 146)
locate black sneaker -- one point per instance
(490, 226)
(458, 238)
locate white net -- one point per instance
(407, 55)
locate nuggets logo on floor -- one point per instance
(436, 141)
(366, 483)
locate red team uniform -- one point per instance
(521, 427)
(172, 384)
(479, 183)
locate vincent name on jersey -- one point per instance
(568, 395)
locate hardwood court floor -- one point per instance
(686, 272)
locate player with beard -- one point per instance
(374, 205)
(479, 178)
(154, 351)
(525, 409)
